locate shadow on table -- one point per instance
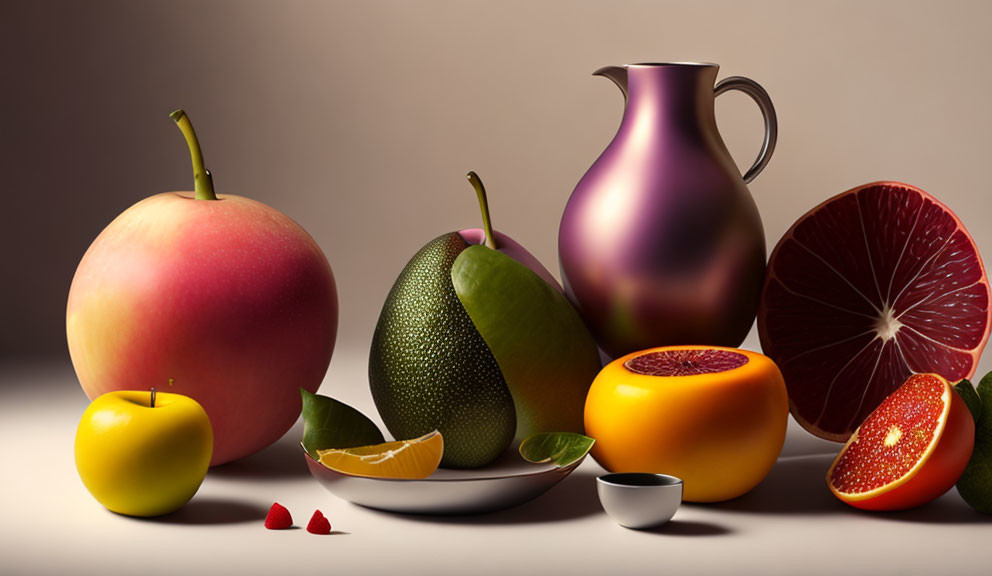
(795, 485)
(678, 527)
(948, 509)
(281, 461)
(207, 510)
(574, 497)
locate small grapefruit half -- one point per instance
(871, 286)
(909, 451)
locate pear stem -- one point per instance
(152, 403)
(203, 182)
(487, 224)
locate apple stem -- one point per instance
(203, 182)
(487, 224)
(153, 398)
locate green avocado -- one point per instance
(430, 369)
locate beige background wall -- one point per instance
(360, 119)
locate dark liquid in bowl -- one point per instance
(640, 479)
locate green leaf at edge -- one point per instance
(977, 477)
(561, 448)
(966, 390)
(328, 423)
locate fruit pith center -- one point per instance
(892, 438)
(887, 325)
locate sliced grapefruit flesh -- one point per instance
(405, 459)
(868, 288)
(685, 362)
(909, 451)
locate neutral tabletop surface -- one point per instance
(789, 524)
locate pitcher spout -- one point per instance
(618, 74)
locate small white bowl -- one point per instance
(640, 500)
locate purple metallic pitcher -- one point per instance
(661, 243)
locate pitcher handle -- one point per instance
(758, 94)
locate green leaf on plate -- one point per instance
(975, 484)
(561, 448)
(328, 423)
(966, 390)
(546, 354)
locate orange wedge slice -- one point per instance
(405, 459)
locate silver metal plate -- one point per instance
(508, 481)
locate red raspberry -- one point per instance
(278, 518)
(318, 524)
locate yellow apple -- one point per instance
(143, 453)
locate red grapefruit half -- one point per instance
(868, 288)
(909, 451)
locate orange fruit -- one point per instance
(405, 459)
(714, 417)
(907, 452)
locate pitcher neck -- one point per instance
(672, 95)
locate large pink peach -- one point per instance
(225, 300)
